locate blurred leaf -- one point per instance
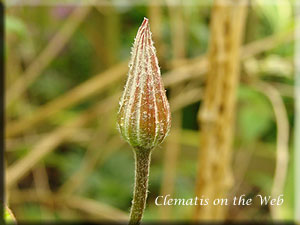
(254, 114)
(278, 15)
(198, 29)
(262, 180)
(43, 89)
(31, 212)
(64, 116)
(8, 216)
(73, 153)
(15, 25)
(113, 181)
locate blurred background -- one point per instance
(65, 70)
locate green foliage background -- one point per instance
(103, 39)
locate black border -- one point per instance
(2, 110)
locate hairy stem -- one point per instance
(142, 166)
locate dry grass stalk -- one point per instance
(185, 98)
(96, 209)
(155, 16)
(47, 55)
(282, 143)
(48, 143)
(81, 92)
(180, 75)
(192, 70)
(42, 186)
(216, 117)
(172, 144)
(94, 157)
(51, 140)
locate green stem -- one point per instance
(142, 166)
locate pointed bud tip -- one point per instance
(144, 117)
(145, 22)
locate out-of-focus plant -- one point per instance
(277, 16)
(267, 54)
(9, 216)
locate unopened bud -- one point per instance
(144, 117)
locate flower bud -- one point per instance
(144, 117)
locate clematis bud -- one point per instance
(144, 118)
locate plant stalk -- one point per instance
(142, 166)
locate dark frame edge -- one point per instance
(2, 186)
